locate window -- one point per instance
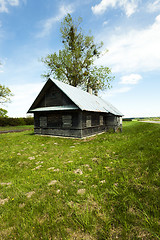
(101, 120)
(67, 121)
(88, 121)
(43, 121)
(54, 120)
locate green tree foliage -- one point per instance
(3, 112)
(5, 94)
(74, 64)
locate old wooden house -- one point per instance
(64, 110)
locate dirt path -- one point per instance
(12, 131)
(158, 122)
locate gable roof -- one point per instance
(83, 100)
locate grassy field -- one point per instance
(8, 128)
(103, 187)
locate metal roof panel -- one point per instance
(85, 101)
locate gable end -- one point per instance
(51, 96)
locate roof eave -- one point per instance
(56, 108)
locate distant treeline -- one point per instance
(142, 118)
(6, 121)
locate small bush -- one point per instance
(127, 119)
(29, 121)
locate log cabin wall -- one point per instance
(74, 123)
(66, 123)
(113, 122)
(96, 122)
(92, 123)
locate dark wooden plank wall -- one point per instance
(73, 119)
(92, 119)
(58, 119)
(74, 123)
(54, 97)
(94, 122)
(66, 123)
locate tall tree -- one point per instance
(74, 64)
(5, 94)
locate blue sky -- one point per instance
(130, 30)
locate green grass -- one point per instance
(103, 187)
(16, 127)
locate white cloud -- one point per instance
(4, 4)
(105, 23)
(115, 91)
(103, 5)
(3, 7)
(136, 50)
(154, 6)
(24, 95)
(131, 79)
(47, 25)
(129, 6)
(13, 2)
